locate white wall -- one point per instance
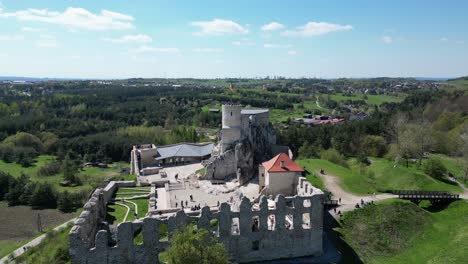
(281, 182)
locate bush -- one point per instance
(334, 156)
(435, 168)
(195, 246)
(49, 169)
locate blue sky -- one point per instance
(241, 38)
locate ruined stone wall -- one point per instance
(222, 166)
(244, 244)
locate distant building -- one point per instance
(148, 159)
(279, 175)
(318, 120)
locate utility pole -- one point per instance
(39, 223)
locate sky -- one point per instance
(115, 39)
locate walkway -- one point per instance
(34, 242)
(348, 200)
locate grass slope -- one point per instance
(380, 176)
(371, 99)
(90, 176)
(399, 232)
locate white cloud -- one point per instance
(274, 46)
(272, 26)
(218, 27)
(47, 41)
(386, 39)
(31, 29)
(74, 18)
(11, 37)
(460, 42)
(243, 43)
(145, 48)
(208, 50)
(443, 39)
(316, 28)
(140, 38)
(292, 52)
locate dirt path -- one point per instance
(464, 194)
(34, 242)
(348, 200)
(317, 102)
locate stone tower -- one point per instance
(231, 131)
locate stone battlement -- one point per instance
(285, 227)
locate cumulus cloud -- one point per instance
(274, 46)
(74, 18)
(386, 39)
(272, 26)
(316, 28)
(208, 50)
(146, 48)
(47, 41)
(292, 52)
(140, 38)
(218, 27)
(11, 37)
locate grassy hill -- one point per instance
(380, 176)
(400, 232)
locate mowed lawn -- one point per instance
(90, 176)
(380, 176)
(18, 224)
(444, 240)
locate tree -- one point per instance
(65, 202)
(464, 151)
(43, 196)
(69, 169)
(435, 168)
(190, 245)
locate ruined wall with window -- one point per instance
(286, 228)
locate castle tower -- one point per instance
(231, 131)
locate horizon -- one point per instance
(212, 40)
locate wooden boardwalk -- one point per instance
(435, 197)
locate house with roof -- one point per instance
(280, 175)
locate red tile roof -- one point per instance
(274, 165)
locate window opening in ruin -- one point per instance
(214, 226)
(138, 237)
(255, 245)
(235, 229)
(307, 203)
(290, 204)
(271, 222)
(306, 221)
(255, 224)
(289, 222)
(194, 225)
(162, 232)
(231, 113)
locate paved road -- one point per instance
(34, 242)
(348, 200)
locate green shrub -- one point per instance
(435, 168)
(334, 156)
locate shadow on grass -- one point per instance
(348, 255)
(110, 218)
(434, 208)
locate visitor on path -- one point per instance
(186, 203)
(191, 198)
(339, 200)
(135, 215)
(176, 204)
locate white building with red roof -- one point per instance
(279, 175)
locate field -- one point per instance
(381, 176)
(19, 224)
(90, 176)
(116, 213)
(371, 99)
(386, 233)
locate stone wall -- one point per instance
(247, 242)
(222, 166)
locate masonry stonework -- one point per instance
(288, 227)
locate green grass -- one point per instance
(6, 247)
(454, 166)
(278, 115)
(371, 99)
(311, 174)
(115, 214)
(53, 249)
(90, 176)
(417, 236)
(380, 176)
